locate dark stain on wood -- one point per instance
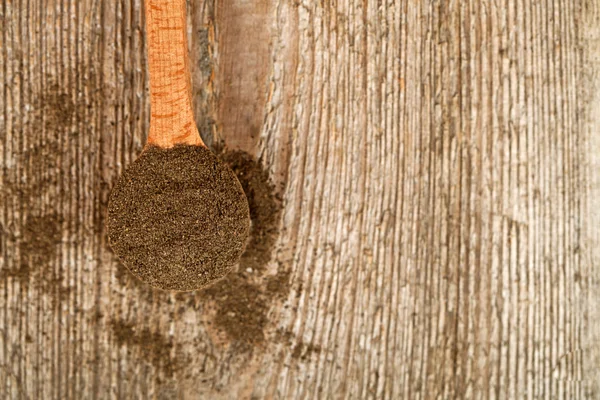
(205, 52)
(304, 351)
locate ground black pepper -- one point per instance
(178, 218)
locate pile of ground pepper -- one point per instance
(178, 218)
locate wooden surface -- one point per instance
(171, 113)
(438, 169)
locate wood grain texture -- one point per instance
(438, 164)
(244, 41)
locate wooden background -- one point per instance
(437, 164)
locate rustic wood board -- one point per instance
(439, 227)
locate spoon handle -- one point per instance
(172, 119)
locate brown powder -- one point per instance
(265, 207)
(178, 218)
(241, 309)
(153, 346)
(58, 106)
(244, 297)
(40, 237)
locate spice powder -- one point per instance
(178, 218)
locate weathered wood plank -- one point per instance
(437, 165)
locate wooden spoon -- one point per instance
(172, 119)
(178, 217)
